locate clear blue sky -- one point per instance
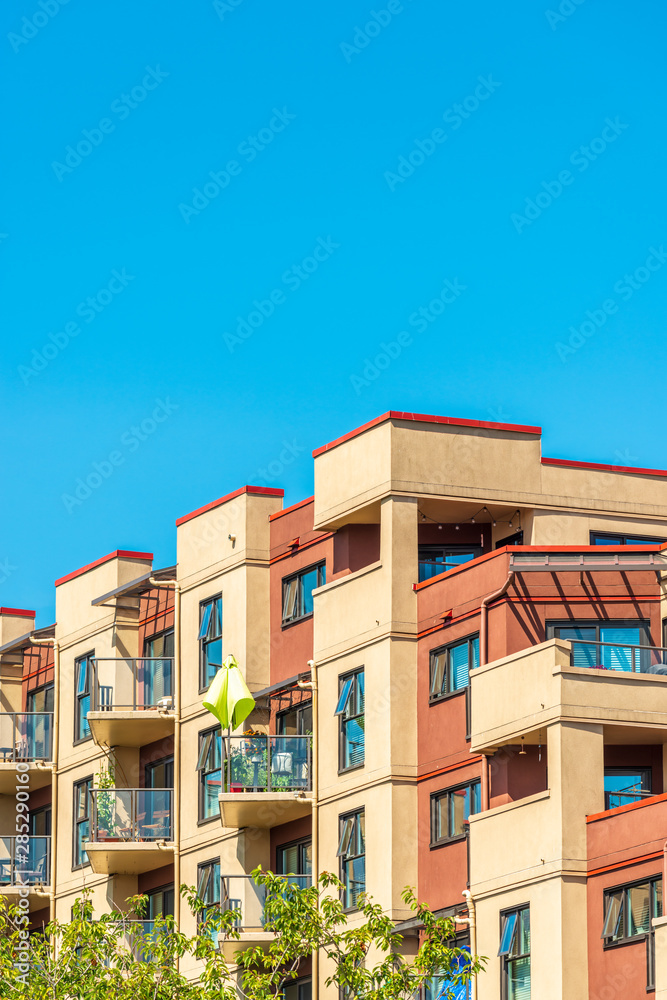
(308, 119)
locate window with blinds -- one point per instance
(350, 711)
(629, 910)
(298, 592)
(609, 646)
(451, 665)
(352, 854)
(451, 809)
(514, 951)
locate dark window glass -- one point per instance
(629, 909)
(82, 802)
(352, 854)
(451, 666)
(296, 721)
(157, 667)
(210, 640)
(40, 700)
(298, 592)
(209, 765)
(434, 559)
(83, 674)
(208, 890)
(450, 810)
(350, 710)
(295, 859)
(515, 953)
(605, 538)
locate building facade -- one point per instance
(455, 648)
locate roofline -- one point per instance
(627, 469)
(288, 510)
(118, 554)
(20, 641)
(18, 612)
(264, 491)
(425, 418)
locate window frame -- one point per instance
(201, 770)
(343, 719)
(473, 783)
(445, 649)
(76, 841)
(345, 858)
(321, 568)
(151, 767)
(453, 549)
(621, 538)
(211, 865)
(205, 641)
(40, 690)
(652, 881)
(645, 771)
(506, 956)
(79, 697)
(301, 843)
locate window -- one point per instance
(82, 799)
(298, 592)
(40, 822)
(623, 785)
(438, 987)
(629, 909)
(209, 766)
(157, 666)
(451, 666)
(299, 989)
(295, 721)
(616, 637)
(515, 953)
(40, 700)
(208, 889)
(603, 538)
(515, 539)
(350, 711)
(83, 673)
(160, 902)
(352, 854)
(434, 559)
(210, 640)
(161, 773)
(450, 810)
(295, 859)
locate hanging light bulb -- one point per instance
(522, 751)
(423, 517)
(456, 526)
(472, 520)
(440, 527)
(494, 524)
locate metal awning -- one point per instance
(48, 632)
(280, 685)
(586, 562)
(136, 587)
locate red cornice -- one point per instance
(288, 510)
(425, 418)
(118, 554)
(262, 491)
(18, 612)
(629, 470)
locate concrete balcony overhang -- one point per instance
(118, 728)
(38, 895)
(39, 776)
(123, 858)
(517, 697)
(248, 939)
(263, 809)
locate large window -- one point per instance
(451, 666)
(350, 711)
(298, 592)
(40, 700)
(606, 538)
(295, 721)
(515, 953)
(450, 810)
(209, 766)
(629, 910)
(445, 984)
(623, 785)
(208, 890)
(616, 637)
(352, 854)
(82, 799)
(295, 859)
(434, 559)
(83, 675)
(159, 655)
(210, 640)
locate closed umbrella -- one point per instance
(228, 697)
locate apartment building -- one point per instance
(456, 651)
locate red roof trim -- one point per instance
(629, 470)
(623, 809)
(425, 418)
(19, 612)
(118, 554)
(288, 510)
(263, 491)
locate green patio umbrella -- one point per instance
(228, 697)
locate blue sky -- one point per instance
(217, 216)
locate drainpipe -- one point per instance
(54, 766)
(471, 921)
(312, 685)
(483, 658)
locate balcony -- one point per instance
(147, 941)
(266, 780)
(25, 865)
(25, 738)
(131, 830)
(245, 898)
(132, 700)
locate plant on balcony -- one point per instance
(106, 800)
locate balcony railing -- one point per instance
(25, 864)
(618, 656)
(624, 797)
(26, 736)
(133, 815)
(143, 937)
(267, 763)
(244, 897)
(129, 684)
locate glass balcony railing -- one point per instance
(266, 763)
(240, 894)
(131, 814)
(26, 736)
(132, 684)
(618, 656)
(25, 864)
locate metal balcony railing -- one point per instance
(25, 863)
(266, 763)
(132, 684)
(26, 736)
(244, 897)
(624, 797)
(131, 814)
(618, 656)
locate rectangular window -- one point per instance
(435, 559)
(295, 721)
(450, 810)
(157, 667)
(607, 538)
(295, 859)
(209, 765)
(82, 799)
(299, 989)
(607, 645)
(210, 640)
(623, 785)
(515, 953)
(298, 592)
(161, 773)
(352, 854)
(444, 984)
(451, 666)
(629, 910)
(40, 700)
(208, 890)
(350, 711)
(83, 676)
(160, 902)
